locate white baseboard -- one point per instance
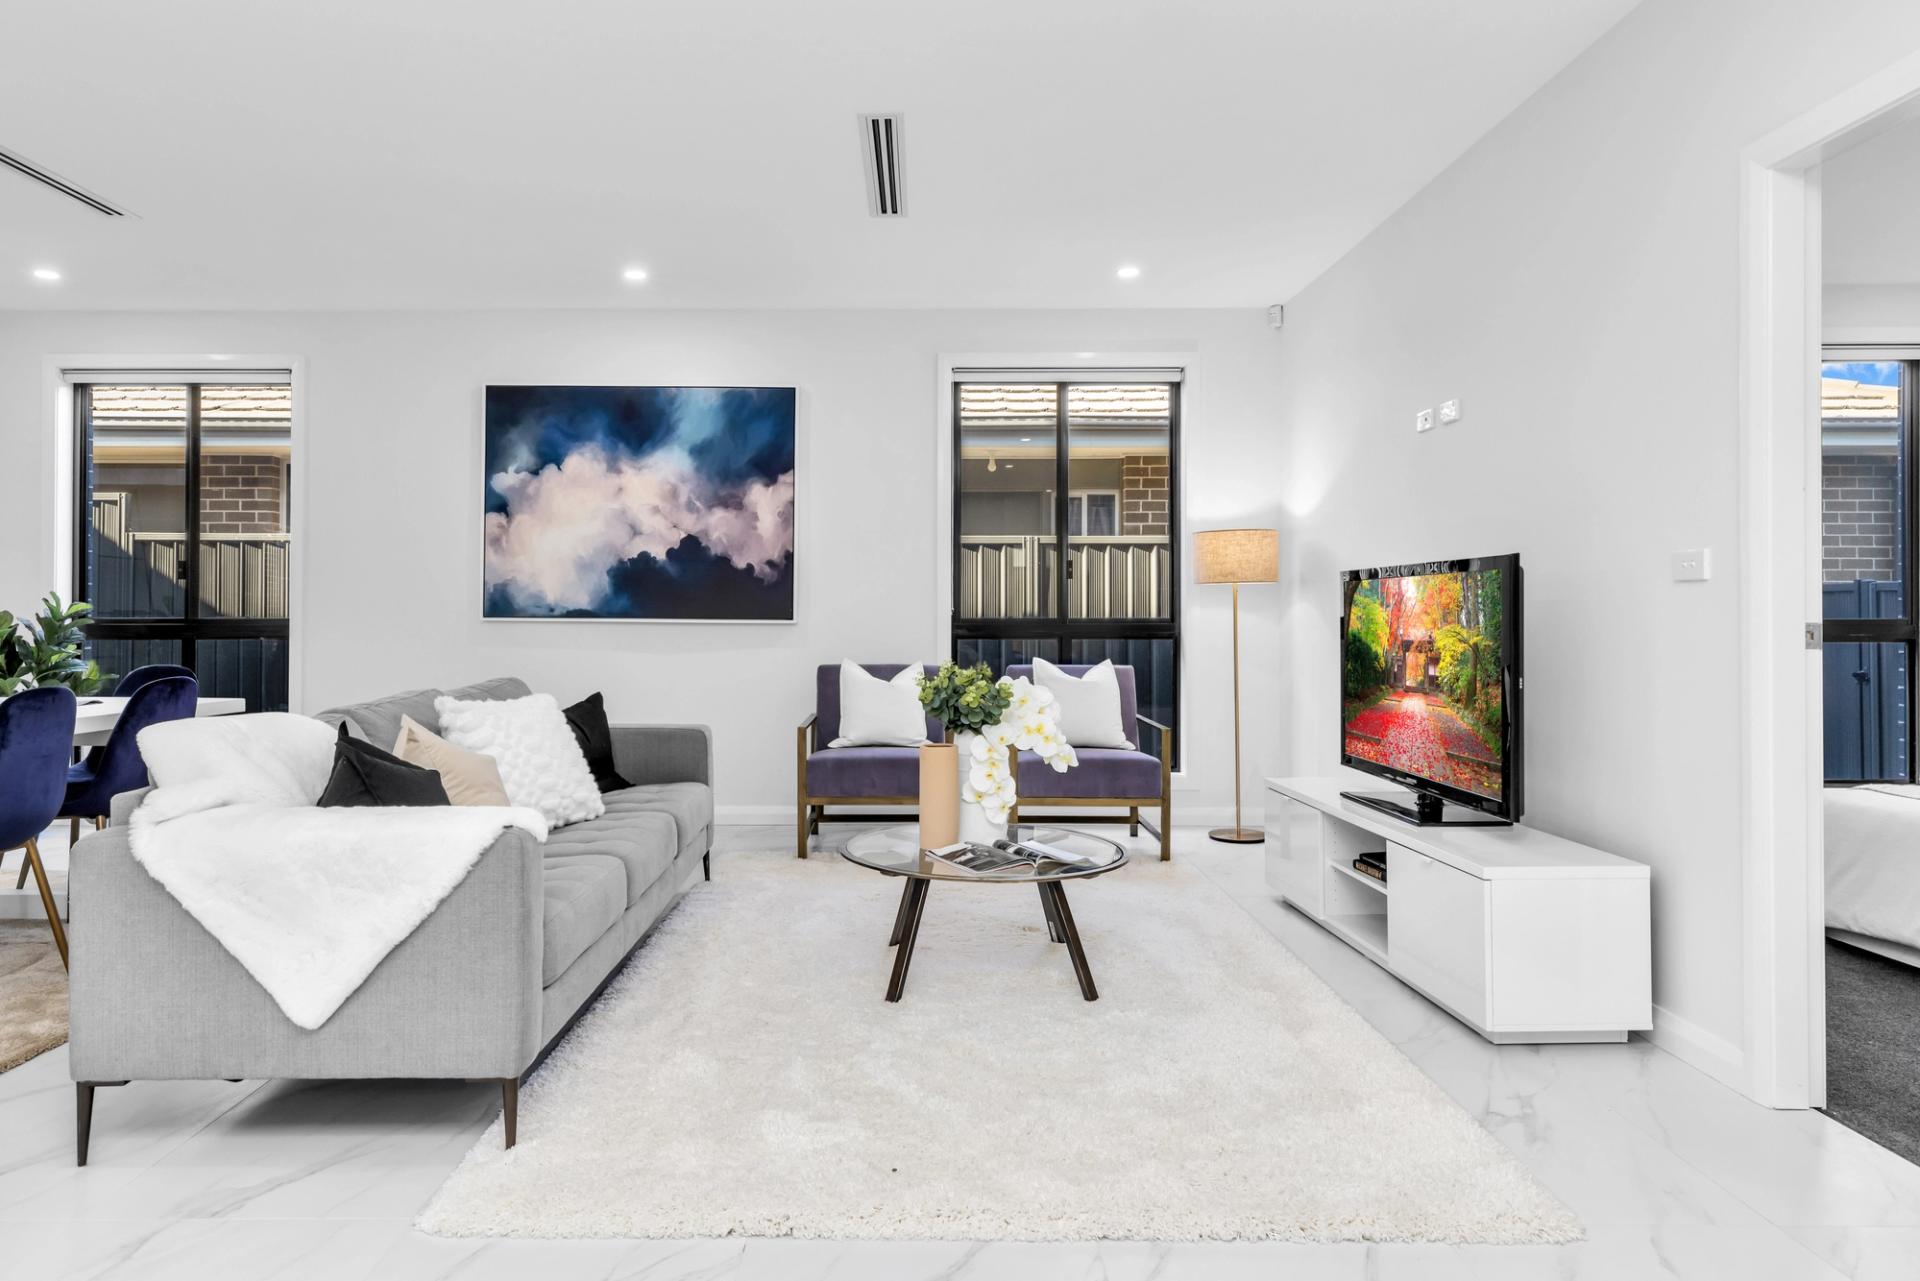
(1693, 1045)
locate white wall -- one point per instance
(1870, 313)
(389, 471)
(1574, 279)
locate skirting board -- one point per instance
(1698, 1048)
(1879, 947)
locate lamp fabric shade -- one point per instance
(1236, 556)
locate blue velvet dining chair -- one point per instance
(117, 766)
(36, 735)
(139, 677)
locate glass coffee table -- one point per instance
(895, 851)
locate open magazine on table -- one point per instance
(1006, 855)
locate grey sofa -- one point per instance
(483, 989)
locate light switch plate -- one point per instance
(1423, 421)
(1694, 565)
(1450, 411)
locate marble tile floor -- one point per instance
(1673, 1174)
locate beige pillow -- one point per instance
(471, 778)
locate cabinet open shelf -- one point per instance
(1346, 869)
(1366, 931)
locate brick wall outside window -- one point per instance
(241, 494)
(1143, 495)
(1859, 524)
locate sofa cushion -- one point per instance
(864, 771)
(583, 895)
(643, 840)
(690, 805)
(1102, 771)
(378, 721)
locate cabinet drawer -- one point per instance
(1437, 931)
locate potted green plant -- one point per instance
(48, 649)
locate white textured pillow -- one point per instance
(1089, 705)
(877, 713)
(541, 764)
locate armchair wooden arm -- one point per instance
(804, 740)
(1166, 786)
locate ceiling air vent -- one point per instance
(880, 144)
(65, 188)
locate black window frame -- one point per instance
(1063, 629)
(189, 628)
(1904, 630)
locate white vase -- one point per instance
(975, 827)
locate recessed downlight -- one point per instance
(47, 274)
(1128, 272)
(634, 275)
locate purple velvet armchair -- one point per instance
(1106, 778)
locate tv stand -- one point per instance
(1523, 936)
(1425, 810)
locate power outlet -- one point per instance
(1423, 421)
(1694, 565)
(1449, 411)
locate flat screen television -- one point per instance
(1430, 688)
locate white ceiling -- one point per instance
(479, 153)
(1870, 211)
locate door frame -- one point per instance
(1783, 892)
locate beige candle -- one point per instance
(939, 795)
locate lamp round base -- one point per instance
(1238, 835)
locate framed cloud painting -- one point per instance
(640, 503)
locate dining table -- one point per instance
(94, 719)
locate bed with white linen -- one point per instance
(1873, 868)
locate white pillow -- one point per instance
(877, 713)
(1089, 705)
(541, 764)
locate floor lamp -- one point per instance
(1236, 556)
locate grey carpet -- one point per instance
(1873, 1047)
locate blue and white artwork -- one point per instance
(640, 503)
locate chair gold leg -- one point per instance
(73, 832)
(26, 865)
(100, 822)
(46, 901)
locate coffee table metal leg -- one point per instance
(1081, 970)
(1053, 918)
(917, 888)
(900, 917)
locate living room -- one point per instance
(1261, 393)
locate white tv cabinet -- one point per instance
(1523, 936)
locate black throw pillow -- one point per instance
(365, 775)
(588, 719)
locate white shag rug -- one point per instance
(744, 1077)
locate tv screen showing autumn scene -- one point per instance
(1422, 677)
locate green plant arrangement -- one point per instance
(965, 699)
(47, 649)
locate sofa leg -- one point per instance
(1166, 831)
(804, 833)
(82, 1119)
(706, 866)
(1133, 820)
(510, 1106)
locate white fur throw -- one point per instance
(309, 900)
(541, 764)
